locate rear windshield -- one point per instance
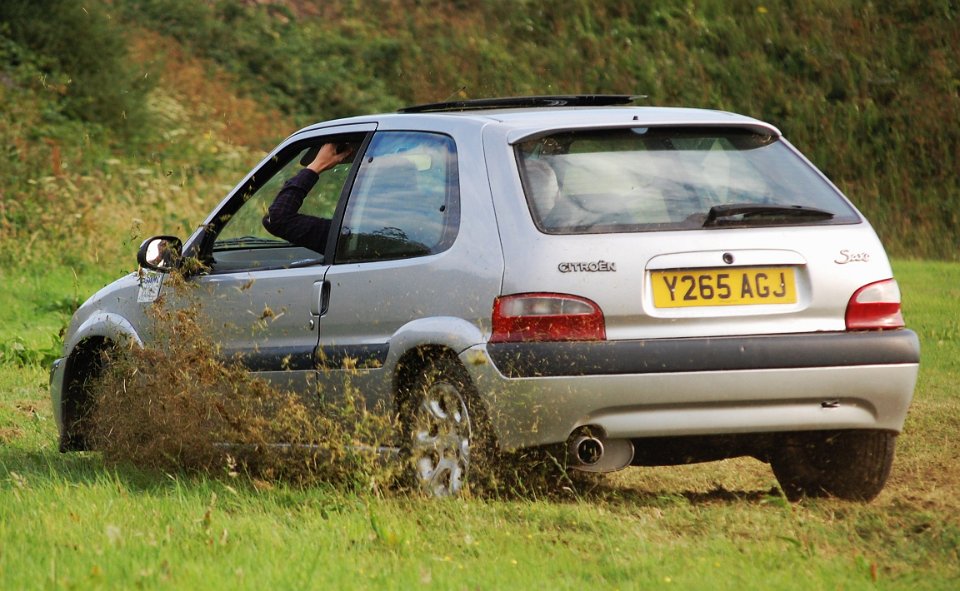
(646, 179)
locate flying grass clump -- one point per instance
(178, 404)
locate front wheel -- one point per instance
(439, 431)
(851, 465)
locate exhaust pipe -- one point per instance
(588, 450)
(599, 454)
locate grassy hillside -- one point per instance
(152, 106)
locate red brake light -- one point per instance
(875, 307)
(546, 317)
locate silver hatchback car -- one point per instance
(641, 286)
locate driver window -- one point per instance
(244, 243)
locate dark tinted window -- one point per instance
(671, 178)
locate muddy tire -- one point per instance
(851, 465)
(443, 428)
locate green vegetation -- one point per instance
(123, 118)
(159, 125)
(70, 521)
(79, 57)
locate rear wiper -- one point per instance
(720, 215)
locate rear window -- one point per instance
(647, 179)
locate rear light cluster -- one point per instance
(546, 317)
(875, 307)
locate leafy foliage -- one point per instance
(870, 91)
(19, 353)
(82, 56)
(302, 66)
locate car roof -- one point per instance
(528, 123)
(520, 124)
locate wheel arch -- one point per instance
(83, 361)
(416, 342)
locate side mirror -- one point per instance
(160, 253)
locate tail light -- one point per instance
(875, 307)
(546, 317)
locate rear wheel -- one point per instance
(440, 432)
(850, 465)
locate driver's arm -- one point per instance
(284, 219)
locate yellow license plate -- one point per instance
(724, 287)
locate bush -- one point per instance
(870, 91)
(82, 54)
(306, 69)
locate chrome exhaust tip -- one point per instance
(588, 450)
(597, 453)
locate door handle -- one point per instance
(324, 298)
(321, 298)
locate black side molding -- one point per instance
(334, 357)
(274, 358)
(307, 358)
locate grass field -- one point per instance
(69, 522)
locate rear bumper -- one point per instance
(833, 349)
(539, 393)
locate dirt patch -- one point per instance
(27, 408)
(8, 435)
(932, 486)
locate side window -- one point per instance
(405, 201)
(243, 242)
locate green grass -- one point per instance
(69, 522)
(931, 300)
(38, 301)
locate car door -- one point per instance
(390, 268)
(261, 295)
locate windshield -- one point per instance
(645, 179)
